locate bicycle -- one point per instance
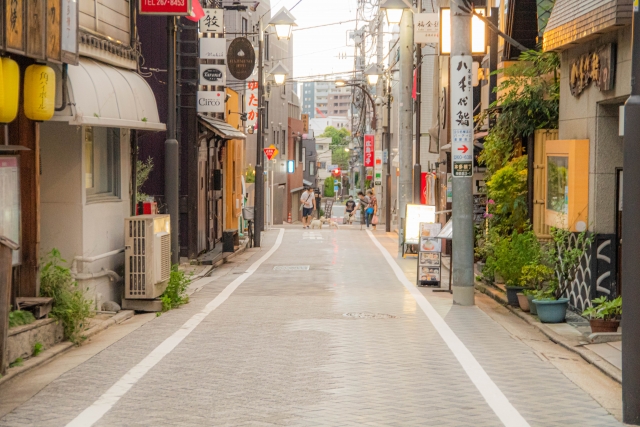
(247, 215)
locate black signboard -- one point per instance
(241, 58)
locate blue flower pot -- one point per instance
(532, 306)
(512, 295)
(552, 311)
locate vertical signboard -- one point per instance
(54, 30)
(461, 115)
(377, 170)
(69, 37)
(212, 21)
(14, 26)
(368, 151)
(36, 26)
(426, 28)
(305, 123)
(251, 100)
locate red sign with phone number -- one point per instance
(165, 7)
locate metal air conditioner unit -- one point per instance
(147, 256)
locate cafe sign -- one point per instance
(241, 58)
(213, 75)
(210, 101)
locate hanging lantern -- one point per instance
(39, 92)
(10, 90)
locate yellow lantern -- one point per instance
(39, 92)
(10, 89)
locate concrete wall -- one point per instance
(593, 115)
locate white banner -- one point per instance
(462, 115)
(213, 75)
(211, 48)
(426, 28)
(210, 101)
(251, 101)
(212, 21)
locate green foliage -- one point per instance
(38, 348)
(250, 175)
(69, 303)
(321, 212)
(535, 275)
(339, 140)
(508, 189)
(512, 254)
(565, 258)
(604, 309)
(19, 318)
(175, 294)
(17, 362)
(143, 169)
(328, 187)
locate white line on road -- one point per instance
(93, 413)
(509, 415)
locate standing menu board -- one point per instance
(10, 201)
(429, 260)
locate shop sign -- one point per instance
(415, 214)
(54, 30)
(213, 75)
(210, 101)
(369, 153)
(462, 115)
(211, 48)
(426, 28)
(36, 25)
(69, 38)
(377, 170)
(598, 67)
(305, 123)
(251, 106)
(212, 21)
(14, 25)
(241, 58)
(165, 7)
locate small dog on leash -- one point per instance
(349, 218)
(317, 223)
(332, 223)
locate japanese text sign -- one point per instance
(426, 28)
(369, 153)
(269, 152)
(377, 171)
(462, 115)
(251, 106)
(165, 7)
(212, 21)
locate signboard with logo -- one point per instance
(377, 170)
(69, 38)
(213, 75)
(165, 7)
(241, 58)
(368, 151)
(305, 123)
(462, 115)
(251, 107)
(211, 48)
(212, 21)
(426, 28)
(210, 101)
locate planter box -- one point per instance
(22, 338)
(523, 301)
(552, 311)
(532, 305)
(599, 325)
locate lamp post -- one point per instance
(395, 11)
(283, 23)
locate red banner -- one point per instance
(369, 153)
(165, 7)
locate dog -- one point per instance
(317, 223)
(350, 218)
(333, 224)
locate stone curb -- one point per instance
(58, 349)
(606, 367)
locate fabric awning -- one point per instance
(308, 183)
(102, 95)
(222, 129)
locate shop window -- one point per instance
(312, 166)
(102, 163)
(304, 154)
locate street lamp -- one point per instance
(394, 10)
(340, 83)
(372, 74)
(283, 22)
(279, 73)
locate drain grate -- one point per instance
(367, 315)
(291, 267)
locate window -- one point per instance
(265, 114)
(266, 47)
(284, 142)
(304, 155)
(557, 184)
(300, 159)
(312, 170)
(245, 26)
(102, 162)
(276, 141)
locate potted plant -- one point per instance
(552, 303)
(511, 256)
(604, 314)
(534, 276)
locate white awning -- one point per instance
(101, 95)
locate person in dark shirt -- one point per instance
(350, 208)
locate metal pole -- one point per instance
(171, 148)
(493, 55)
(417, 168)
(631, 243)
(405, 146)
(387, 194)
(259, 182)
(462, 153)
(379, 144)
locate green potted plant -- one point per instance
(511, 255)
(604, 314)
(552, 304)
(533, 278)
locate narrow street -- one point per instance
(348, 341)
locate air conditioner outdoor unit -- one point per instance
(147, 256)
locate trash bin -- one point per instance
(230, 239)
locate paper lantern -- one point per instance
(39, 92)
(10, 90)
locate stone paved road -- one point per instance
(341, 344)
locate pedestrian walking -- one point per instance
(364, 204)
(371, 212)
(350, 208)
(308, 204)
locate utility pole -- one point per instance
(631, 243)
(462, 151)
(405, 146)
(259, 181)
(171, 149)
(417, 168)
(387, 185)
(378, 106)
